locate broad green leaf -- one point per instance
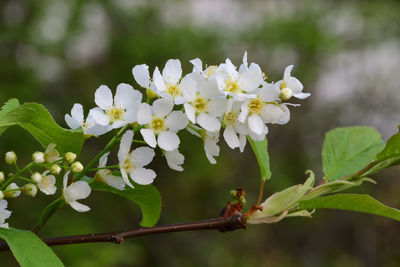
(11, 104)
(146, 196)
(28, 249)
(37, 121)
(260, 149)
(347, 150)
(392, 148)
(352, 202)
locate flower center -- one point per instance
(230, 119)
(232, 86)
(173, 90)
(255, 105)
(128, 165)
(200, 104)
(210, 71)
(157, 125)
(116, 114)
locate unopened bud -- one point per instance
(286, 94)
(11, 157)
(29, 190)
(2, 178)
(1, 195)
(70, 157)
(55, 169)
(12, 191)
(38, 157)
(77, 167)
(36, 177)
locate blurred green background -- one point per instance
(346, 53)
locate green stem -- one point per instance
(47, 213)
(104, 168)
(12, 179)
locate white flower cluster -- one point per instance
(211, 98)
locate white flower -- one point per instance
(51, 154)
(159, 120)
(134, 161)
(203, 105)
(233, 127)
(169, 84)
(11, 157)
(142, 75)
(75, 191)
(239, 84)
(38, 157)
(264, 109)
(106, 176)
(47, 185)
(291, 86)
(211, 148)
(4, 213)
(174, 159)
(12, 193)
(119, 111)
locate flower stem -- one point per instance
(12, 179)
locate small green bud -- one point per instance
(70, 157)
(11, 191)
(11, 157)
(76, 167)
(55, 169)
(36, 177)
(286, 94)
(1, 195)
(38, 157)
(2, 178)
(29, 190)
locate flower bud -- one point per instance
(11, 157)
(77, 167)
(286, 94)
(70, 157)
(2, 178)
(55, 169)
(1, 195)
(11, 191)
(29, 190)
(38, 157)
(36, 177)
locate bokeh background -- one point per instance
(346, 53)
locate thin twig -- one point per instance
(221, 224)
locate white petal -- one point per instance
(103, 97)
(295, 85)
(142, 156)
(168, 140)
(176, 121)
(302, 95)
(115, 181)
(125, 177)
(243, 141)
(77, 113)
(197, 65)
(125, 146)
(256, 124)
(172, 71)
(208, 122)
(79, 207)
(252, 78)
(174, 159)
(77, 190)
(287, 72)
(97, 130)
(162, 107)
(276, 114)
(143, 176)
(231, 137)
(65, 179)
(158, 80)
(244, 112)
(99, 116)
(126, 97)
(144, 114)
(269, 92)
(149, 137)
(217, 106)
(141, 75)
(103, 160)
(71, 122)
(190, 112)
(212, 150)
(188, 86)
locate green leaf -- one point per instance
(260, 149)
(37, 121)
(11, 104)
(146, 196)
(392, 148)
(347, 150)
(352, 202)
(28, 249)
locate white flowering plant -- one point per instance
(239, 102)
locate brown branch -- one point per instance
(222, 224)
